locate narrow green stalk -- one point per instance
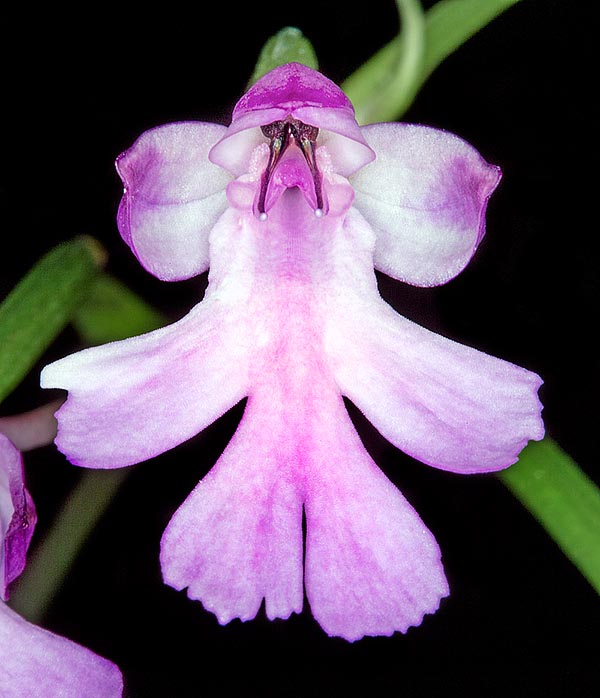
(450, 23)
(373, 88)
(51, 561)
(563, 499)
(387, 84)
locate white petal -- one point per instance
(425, 196)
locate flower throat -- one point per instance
(281, 135)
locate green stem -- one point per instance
(373, 89)
(51, 561)
(549, 483)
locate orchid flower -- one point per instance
(292, 207)
(34, 662)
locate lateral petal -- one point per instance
(133, 399)
(425, 195)
(39, 664)
(173, 197)
(446, 404)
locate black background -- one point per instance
(79, 86)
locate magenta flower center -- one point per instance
(284, 135)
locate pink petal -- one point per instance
(131, 400)
(425, 196)
(35, 663)
(445, 404)
(17, 516)
(238, 537)
(372, 567)
(173, 198)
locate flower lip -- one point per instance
(293, 91)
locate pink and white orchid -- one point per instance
(292, 207)
(35, 663)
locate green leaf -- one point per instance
(563, 499)
(384, 87)
(111, 311)
(452, 22)
(287, 46)
(41, 305)
(373, 89)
